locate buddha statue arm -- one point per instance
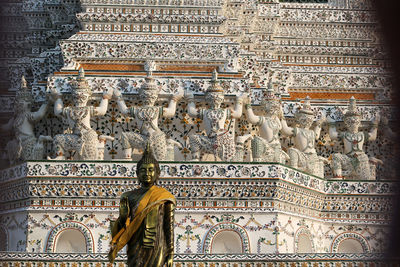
(238, 109)
(102, 108)
(120, 101)
(372, 134)
(169, 231)
(123, 215)
(40, 113)
(286, 130)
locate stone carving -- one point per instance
(353, 163)
(25, 146)
(240, 148)
(307, 15)
(101, 145)
(80, 140)
(280, 77)
(147, 116)
(267, 146)
(303, 155)
(218, 141)
(158, 50)
(171, 144)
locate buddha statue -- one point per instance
(146, 219)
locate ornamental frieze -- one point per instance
(224, 171)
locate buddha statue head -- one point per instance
(147, 168)
(305, 115)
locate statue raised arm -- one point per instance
(25, 146)
(81, 138)
(147, 117)
(218, 140)
(267, 146)
(303, 155)
(353, 161)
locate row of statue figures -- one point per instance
(218, 140)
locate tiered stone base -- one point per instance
(199, 260)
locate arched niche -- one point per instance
(70, 237)
(350, 243)
(227, 242)
(218, 239)
(303, 241)
(70, 241)
(4, 239)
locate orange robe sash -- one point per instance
(153, 197)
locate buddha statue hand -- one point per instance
(170, 259)
(124, 208)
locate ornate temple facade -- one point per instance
(271, 120)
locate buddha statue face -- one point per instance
(352, 123)
(147, 174)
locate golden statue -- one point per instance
(146, 219)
